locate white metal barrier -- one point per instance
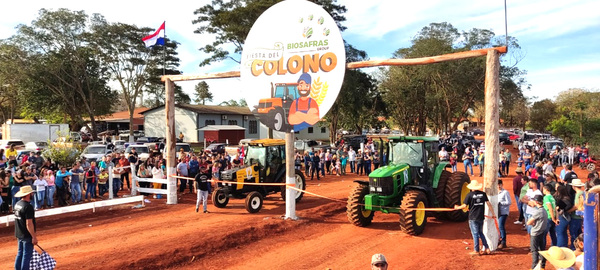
(78, 207)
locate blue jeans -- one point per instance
(90, 190)
(562, 237)
(352, 166)
(477, 233)
(24, 254)
(520, 207)
(39, 199)
(75, 192)
(50, 195)
(116, 186)
(102, 189)
(14, 191)
(575, 230)
(551, 229)
(501, 224)
(454, 168)
(467, 163)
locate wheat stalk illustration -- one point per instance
(316, 88)
(323, 93)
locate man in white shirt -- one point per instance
(531, 192)
(444, 155)
(352, 159)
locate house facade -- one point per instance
(193, 120)
(190, 119)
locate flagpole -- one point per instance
(165, 48)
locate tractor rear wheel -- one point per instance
(440, 191)
(300, 183)
(220, 198)
(355, 209)
(413, 221)
(254, 202)
(456, 191)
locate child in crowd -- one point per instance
(103, 182)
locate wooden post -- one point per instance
(290, 177)
(492, 144)
(170, 145)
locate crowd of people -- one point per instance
(340, 160)
(549, 201)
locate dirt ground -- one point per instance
(162, 236)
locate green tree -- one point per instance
(58, 64)
(231, 21)
(442, 95)
(349, 112)
(202, 93)
(120, 49)
(234, 103)
(542, 113)
(167, 63)
(563, 127)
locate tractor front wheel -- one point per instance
(220, 198)
(254, 202)
(355, 209)
(412, 220)
(456, 191)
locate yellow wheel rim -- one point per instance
(366, 213)
(420, 215)
(463, 194)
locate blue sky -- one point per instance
(559, 39)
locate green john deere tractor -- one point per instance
(414, 178)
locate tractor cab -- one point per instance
(268, 156)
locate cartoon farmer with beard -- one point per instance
(304, 111)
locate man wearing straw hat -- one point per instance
(24, 227)
(475, 200)
(561, 258)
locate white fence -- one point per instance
(78, 207)
(135, 179)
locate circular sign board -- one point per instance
(293, 65)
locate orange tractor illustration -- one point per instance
(274, 111)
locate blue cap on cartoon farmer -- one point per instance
(305, 77)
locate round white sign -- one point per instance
(293, 65)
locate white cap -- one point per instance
(378, 258)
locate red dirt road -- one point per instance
(175, 237)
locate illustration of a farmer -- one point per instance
(304, 111)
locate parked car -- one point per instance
(36, 146)
(504, 138)
(6, 144)
(142, 150)
(304, 145)
(185, 146)
(477, 132)
(513, 136)
(216, 148)
(95, 152)
(119, 146)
